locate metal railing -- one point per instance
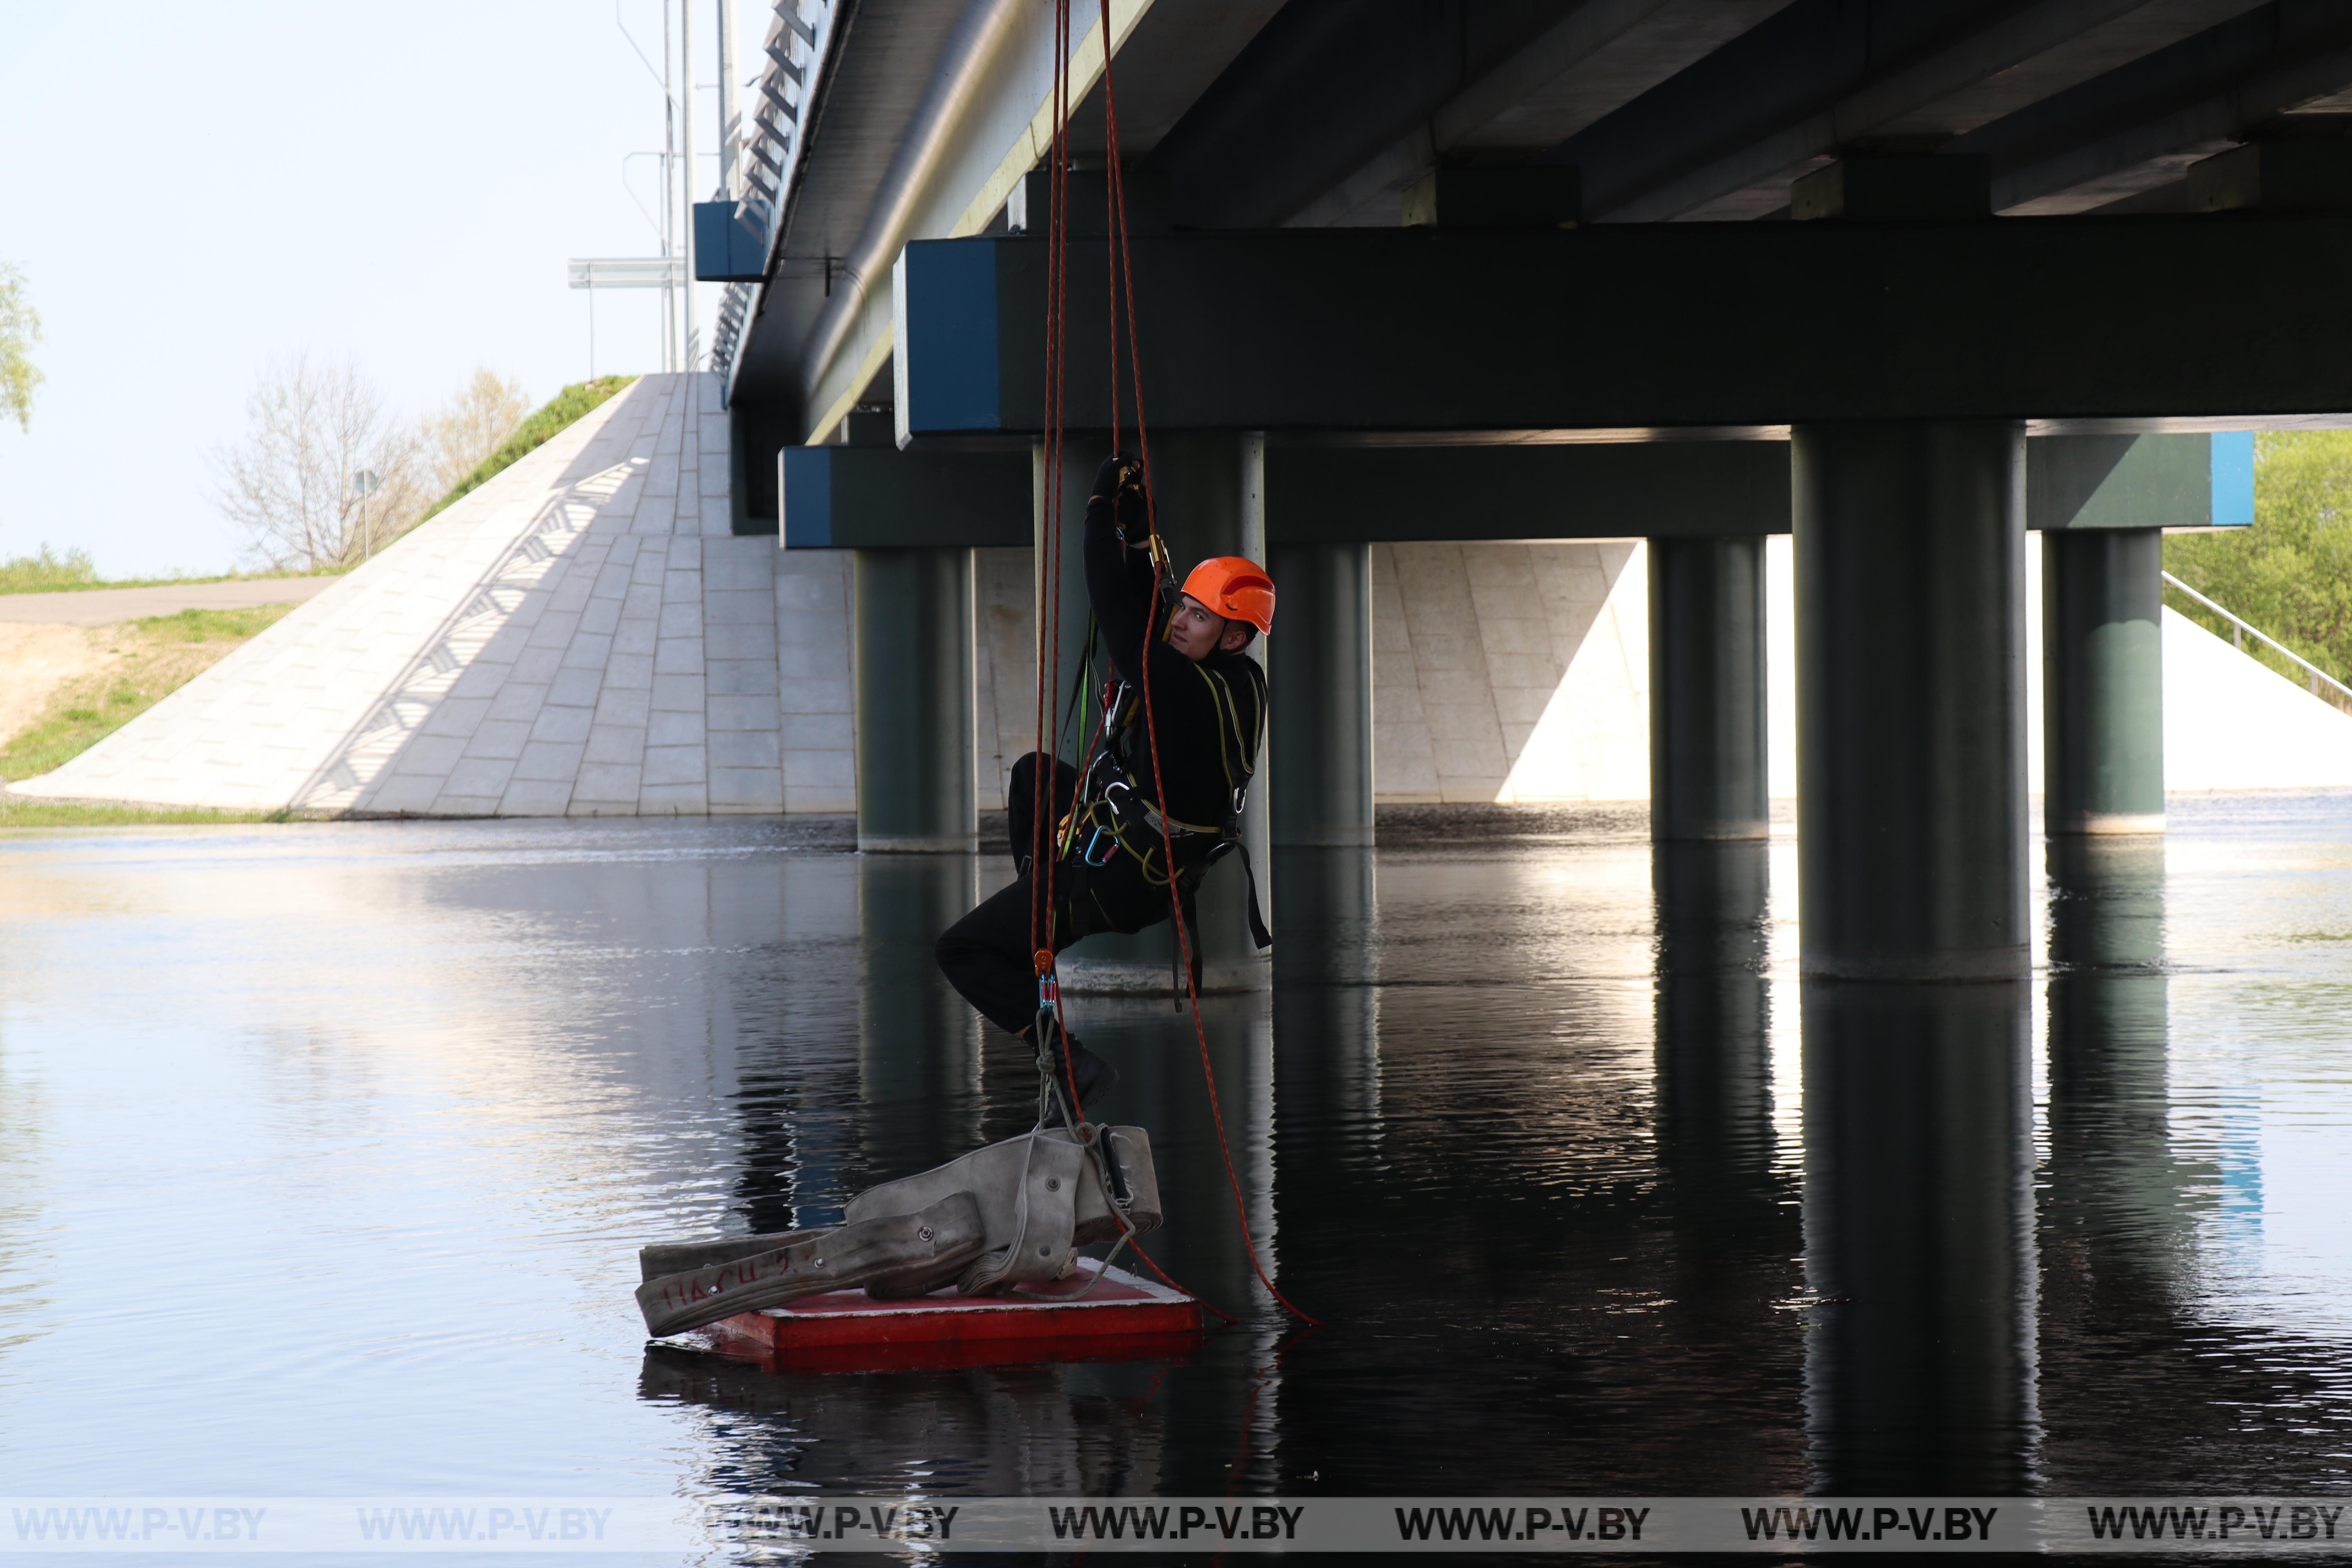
(801, 38)
(2240, 629)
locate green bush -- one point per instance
(2291, 572)
(34, 574)
(533, 433)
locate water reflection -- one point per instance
(2122, 1202)
(2120, 1214)
(1920, 1347)
(1327, 1009)
(1715, 1105)
(1725, 1201)
(918, 1042)
(796, 1003)
(1474, 1189)
(1057, 1430)
(1509, 1122)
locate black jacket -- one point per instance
(1208, 715)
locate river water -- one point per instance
(325, 1151)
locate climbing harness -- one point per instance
(1113, 814)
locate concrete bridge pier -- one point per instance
(1319, 663)
(2102, 639)
(915, 701)
(1707, 702)
(1911, 700)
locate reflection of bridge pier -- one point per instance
(798, 1010)
(1714, 1069)
(918, 1040)
(1201, 1244)
(1160, 1089)
(1714, 1075)
(1733, 1217)
(2117, 1213)
(1327, 1009)
(859, 1063)
(1919, 1355)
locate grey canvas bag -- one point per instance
(1010, 1214)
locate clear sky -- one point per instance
(193, 191)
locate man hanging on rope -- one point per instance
(1102, 840)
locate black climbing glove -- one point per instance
(1118, 484)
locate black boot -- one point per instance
(1095, 1077)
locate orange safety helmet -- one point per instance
(1235, 587)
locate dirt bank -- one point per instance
(34, 661)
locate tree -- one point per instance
(2291, 572)
(20, 329)
(470, 428)
(323, 473)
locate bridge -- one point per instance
(1901, 282)
(1905, 280)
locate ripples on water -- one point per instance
(324, 1150)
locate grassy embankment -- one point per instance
(137, 665)
(143, 662)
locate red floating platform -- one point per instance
(1123, 1317)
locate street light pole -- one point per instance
(687, 186)
(363, 484)
(669, 196)
(730, 109)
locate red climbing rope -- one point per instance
(1123, 280)
(1042, 823)
(1044, 831)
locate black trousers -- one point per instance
(986, 955)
